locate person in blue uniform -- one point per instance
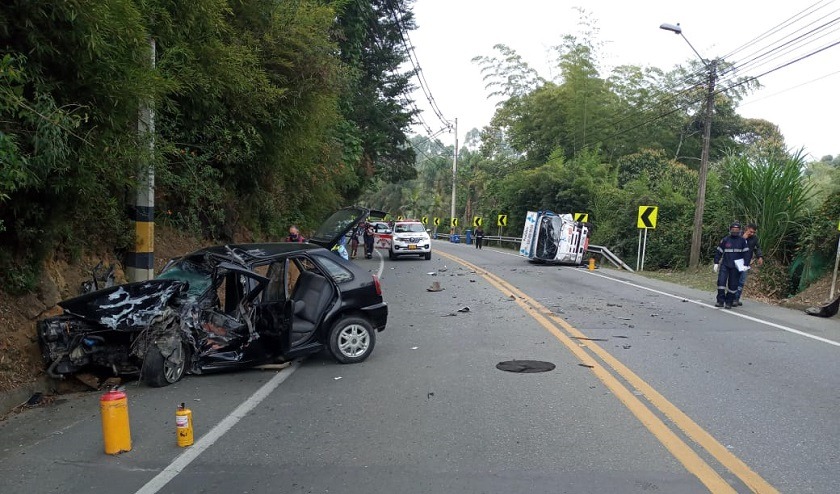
(729, 262)
(754, 252)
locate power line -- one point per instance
(716, 92)
(731, 83)
(415, 63)
(790, 88)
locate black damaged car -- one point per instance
(224, 307)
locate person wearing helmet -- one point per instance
(729, 262)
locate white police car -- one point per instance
(410, 238)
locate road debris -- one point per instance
(828, 310)
(464, 309)
(525, 366)
(435, 287)
(589, 339)
(587, 366)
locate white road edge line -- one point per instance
(744, 316)
(730, 312)
(187, 457)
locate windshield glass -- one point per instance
(409, 227)
(198, 277)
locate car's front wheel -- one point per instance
(159, 370)
(429, 256)
(391, 255)
(351, 340)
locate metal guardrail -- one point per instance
(606, 254)
(594, 249)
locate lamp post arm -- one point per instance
(696, 52)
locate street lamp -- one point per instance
(697, 232)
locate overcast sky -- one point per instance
(801, 98)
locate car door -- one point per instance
(274, 310)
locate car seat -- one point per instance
(312, 296)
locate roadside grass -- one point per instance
(700, 278)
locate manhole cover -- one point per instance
(525, 366)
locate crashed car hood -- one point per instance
(128, 307)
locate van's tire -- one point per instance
(351, 339)
(428, 256)
(391, 255)
(159, 371)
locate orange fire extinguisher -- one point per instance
(113, 406)
(184, 426)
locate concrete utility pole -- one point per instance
(697, 231)
(141, 261)
(454, 169)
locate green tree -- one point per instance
(769, 189)
(371, 36)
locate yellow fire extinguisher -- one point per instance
(184, 426)
(113, 406)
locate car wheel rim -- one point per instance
(353, 340)
(174, 365)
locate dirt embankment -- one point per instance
(20, 360)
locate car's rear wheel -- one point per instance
(159, 370)
(428, 256)
(351, 339)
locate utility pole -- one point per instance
(140, 265)
(454, 170)
(697, 232)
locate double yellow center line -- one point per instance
(585, 350)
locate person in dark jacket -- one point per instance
(355, 236)
(479, 237)
(728, 257)
(753, 252)
(369, 234)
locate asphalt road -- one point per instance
(654, 390)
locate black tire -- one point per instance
(159, 371)
(391, 255)
(429, 256)
(351, 340)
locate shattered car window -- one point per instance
(197, 277)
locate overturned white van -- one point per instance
(554, 238)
